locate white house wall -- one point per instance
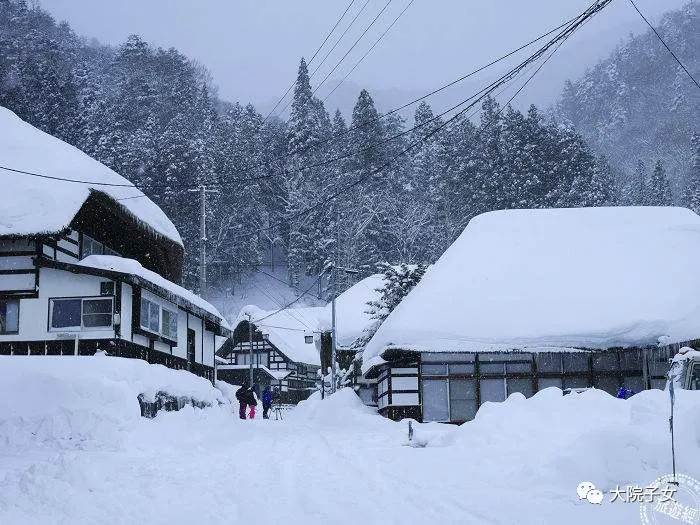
(127, 311)
(34, 313)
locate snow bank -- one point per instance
(343, 408)
(586, 277)
(589, 436)
(61, 398)
(132, 267)
(46, 205)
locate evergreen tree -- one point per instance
(659, 188)
(692, 191)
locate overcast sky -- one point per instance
(252, 47)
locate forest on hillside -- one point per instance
(639, 107)
(402, 194)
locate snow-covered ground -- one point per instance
(331, 461)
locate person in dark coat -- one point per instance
(252, 401)
(267, 402)
(242, 396)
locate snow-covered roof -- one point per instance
(351, 309)
(275, 374)
(35, 205)
(585, 278)
(287, 329)
(133, 268)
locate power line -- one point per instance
(77, 181)
(340, 38)
(312, 59)
(592, 10)
(306, 148)
(352, 47)
(388, 139)
(665, 44)
(288, 304)
(278, 303)
(380, 117)
(369, 50)
(555, 42)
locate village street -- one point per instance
(329, 462)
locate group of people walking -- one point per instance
(248, 399)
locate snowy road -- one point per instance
(326, 463)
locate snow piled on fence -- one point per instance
(62, 399)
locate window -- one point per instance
(610, 384)
(575, 362)
(9, 316)
(91, 247)
(150, 316)
(79, 312)
(433, 370)
(695, 378)
(260, 358)
(97, 313)
(548, 362)
(547, 382)
(308, 339)
(107, 288)
(462, 399)
(524, 386)
(605, 361)
(65, 313)
(169, 324)
(435, 402)
(493, 390)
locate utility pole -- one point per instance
(250, 341)
(333, 325)
(202, 190)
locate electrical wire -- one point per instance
(312, 59)
(340, 38)
(596, 7)
(380, 117)
(77, 181)
(337, 65)
(665, 44)
(368, 51)
(288, 304)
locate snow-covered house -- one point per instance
(528, 299)
(353, 319)
(88, 263)
(285, 350)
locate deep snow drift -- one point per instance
(328, 461)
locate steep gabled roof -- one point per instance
(287, 330)
(583, 278)
(37, 205)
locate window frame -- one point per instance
(174, 313)
(11, 300)
(81, 327)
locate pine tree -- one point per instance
(692, 191)
(659, 187)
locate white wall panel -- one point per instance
(21, 281)
(404, 383)
(404, 399)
